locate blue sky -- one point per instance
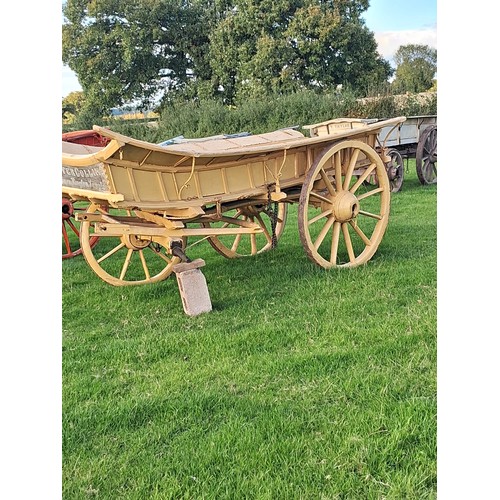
(394, 23)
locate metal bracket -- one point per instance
(177, 251)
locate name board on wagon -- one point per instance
(90, 178)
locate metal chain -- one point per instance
(272, 212)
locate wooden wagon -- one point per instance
(147, 201)
(415, 138)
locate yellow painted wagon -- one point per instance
(146, 201)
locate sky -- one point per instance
(394, 23)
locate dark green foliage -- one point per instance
(416, 68)
(202, 119)
(124, 51)
(147, 50)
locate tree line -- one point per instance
(164, 51)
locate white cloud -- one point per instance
(390, 41)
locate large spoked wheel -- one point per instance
(126, 259)
(71, 228)
(341, 219)
(426, 156)
(243, 245)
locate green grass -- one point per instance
(301, 383)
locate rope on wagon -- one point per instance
(186, 184)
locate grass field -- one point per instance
(301, 383)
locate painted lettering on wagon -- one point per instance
(91, 178)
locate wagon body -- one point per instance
(188, 189)
(130, 173)
(88, 137)
(406, 136)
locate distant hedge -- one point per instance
(201, 119)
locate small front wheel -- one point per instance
(395, 170)
(126, 258)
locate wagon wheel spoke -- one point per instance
(70, 228)
(243, 245)
(335, 242)
(67, 244)
(73, 227)
(338, 171)
(362, 235)
(323, 232)
(348, 242)
(369, 214)
(326, 213)
(111, 252)
(162, 256)
(144, 265)
(326, 180)
(320, 197)
(370, 193)
(350, 168)
(343, 227)
(236, 243)
(362, 178)
(253, 244)
(126, 263)
(124, 258)
(262, 224)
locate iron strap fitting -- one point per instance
(272, 212)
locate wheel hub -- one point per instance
(345, 206)
(135, 242)
(67, 209)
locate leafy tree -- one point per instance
(280, 46)
(416, 67)
(125, 51)
(72, 104)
